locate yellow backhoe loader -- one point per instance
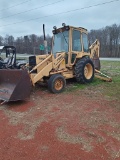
(70, 57)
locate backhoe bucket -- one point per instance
(14, 85)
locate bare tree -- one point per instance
(108, 36)
(1, 40)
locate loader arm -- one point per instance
(43, 68)
(59, 60)
(49, 64)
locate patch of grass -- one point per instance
(72, 85)
(110, 67)
(113, 89)
(96, 81)
(75, 86)
(110, 89)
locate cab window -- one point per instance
(85, 42)
(76, 43)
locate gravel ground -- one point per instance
(77, 125)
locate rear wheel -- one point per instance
(84, 70)
(56, 83)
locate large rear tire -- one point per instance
(56, 83)
(84, 70)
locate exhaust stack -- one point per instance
(45, 41)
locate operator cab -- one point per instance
(71, 40)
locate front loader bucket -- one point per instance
(14, 85)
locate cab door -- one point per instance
(85, 42)
(76, 44)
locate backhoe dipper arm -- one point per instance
(94, 54)
(95, 49)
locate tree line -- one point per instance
(108, 36)
(27, 44)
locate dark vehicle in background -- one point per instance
(8, 58)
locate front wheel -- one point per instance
(56, 83)
(84, 70)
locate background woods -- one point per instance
(29, 44)
(109, 38)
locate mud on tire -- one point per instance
(84, 70)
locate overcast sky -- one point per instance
(48, 11)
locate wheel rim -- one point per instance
(59, 84)
(88, 71)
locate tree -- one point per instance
(1, 40)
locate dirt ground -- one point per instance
(77, 125)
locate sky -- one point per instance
(87, 14)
